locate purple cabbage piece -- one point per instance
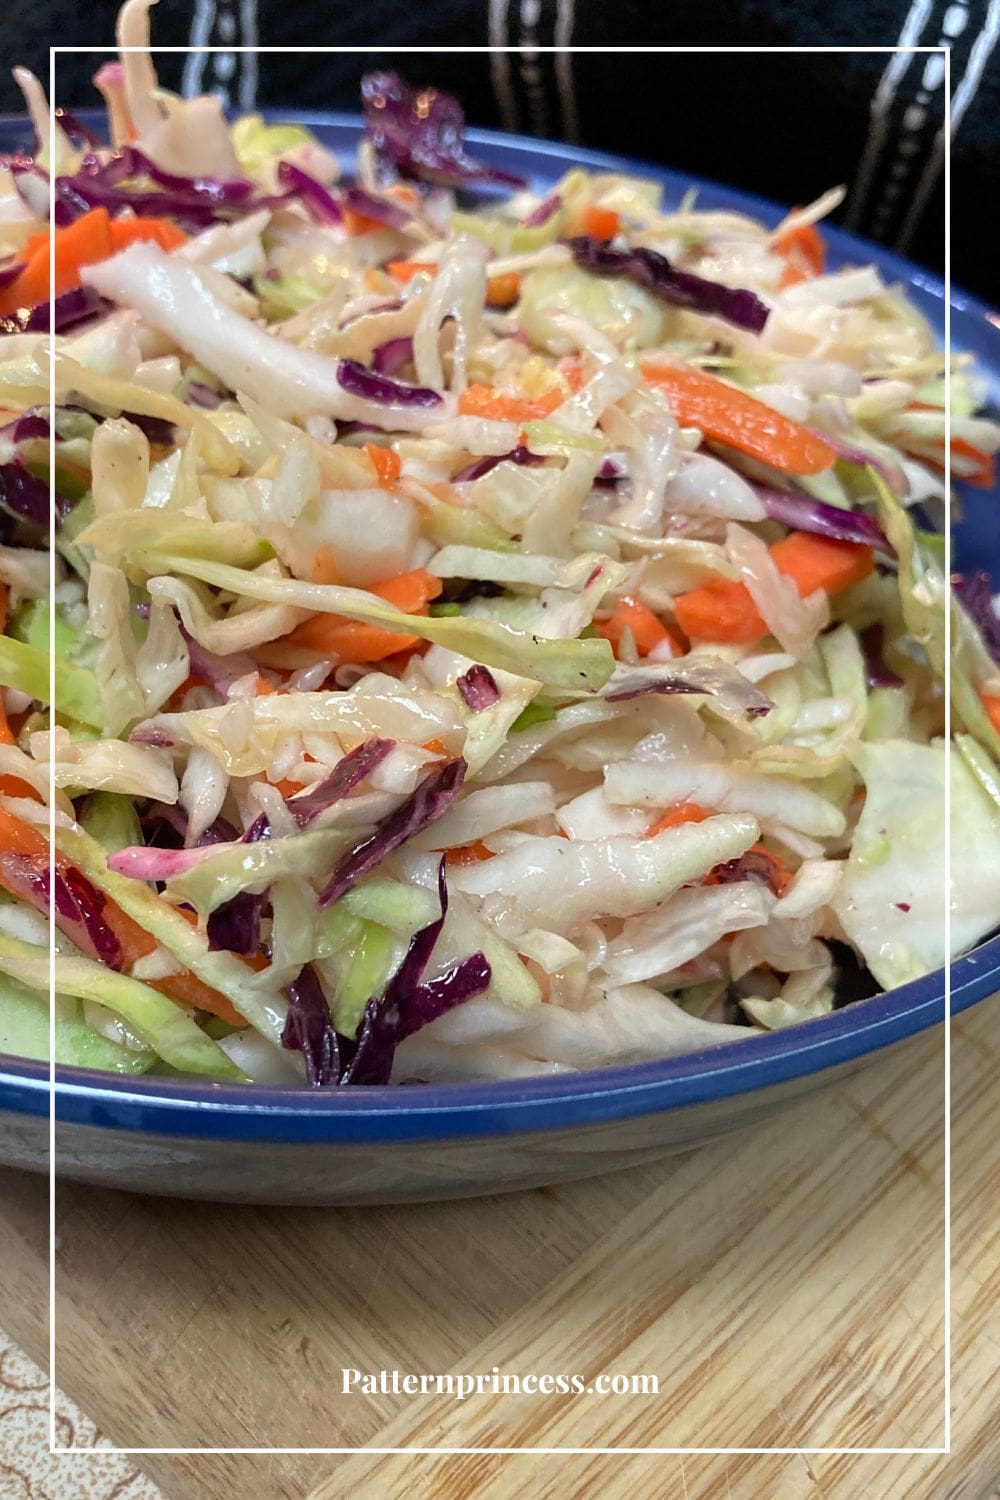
(67, 311)
(220, 672)
(975, 590)
(543, 213)
(481, 466)
(202, 395)
(803, 513)
(26, 427)
(74, 128)
(319, 201)
(309, 1029)
(393, 215)
(430, 801)
(650, 269)
(392, 356)
(9, 274)
(409, 1002)
(157, 429)
(893, 475)
(478, 688)
(358, 380)
(234, 927)
(418, 134)
(707, 678)
(345, 776)
(198, 200)
(877, 674)
(23, 494)
(77, 901)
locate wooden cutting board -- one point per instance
(784, 1285)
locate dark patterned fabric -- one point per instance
(786, 125)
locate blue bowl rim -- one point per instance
(454, 1111)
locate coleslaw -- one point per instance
(494, 633)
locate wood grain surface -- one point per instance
(784, 1285)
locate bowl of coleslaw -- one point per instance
(491, 723)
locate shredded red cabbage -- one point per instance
(478, 688)
(893, 475)
(755, 864)
(25, 427)
(391, 357)
(319, 201)
(235, 925)
(482, 466)
(203, 395)
(543, 213)
(650, 269)
(419, 134)
(358, 380)
(23, 494)
(371, 207)
(410, 1002)
(79, 906)
(198, 200)
(309, 1029)
(9, 274)
(345, 776)
(877, 674)
(68, 310)
(806, 514)
(705, 678)
(975, 590)
(430, 801)
(75, 129)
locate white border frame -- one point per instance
(946, 1448)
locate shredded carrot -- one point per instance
(89, 239)
(386, 462)
(468, 854)
(804, 254)
(350, 640)
(436, 747)
(356, 223)
(684, 812)
(503, 291)
(601, 223)
(991, 703)
(162, 232)
(501, 406)
(405, 270)
(730, 416)
(287, 788)
(12, 786)
(647, 631)
(725, 611)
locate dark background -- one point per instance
(786, 126)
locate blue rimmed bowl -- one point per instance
(264, 1145)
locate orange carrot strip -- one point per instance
(468, 854)
(724, 609)
(601, 223)
(991, 703)
(356, 223)
(503, 291)
(647, 631)
(501, 406)
(405, 270)
(730, 416)
(804, 253)
(12, 786)
(351, 640)
(79, 244)
(821, 562)
(760, 862)
(684, 812)
(162, 232)
(386, 461)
